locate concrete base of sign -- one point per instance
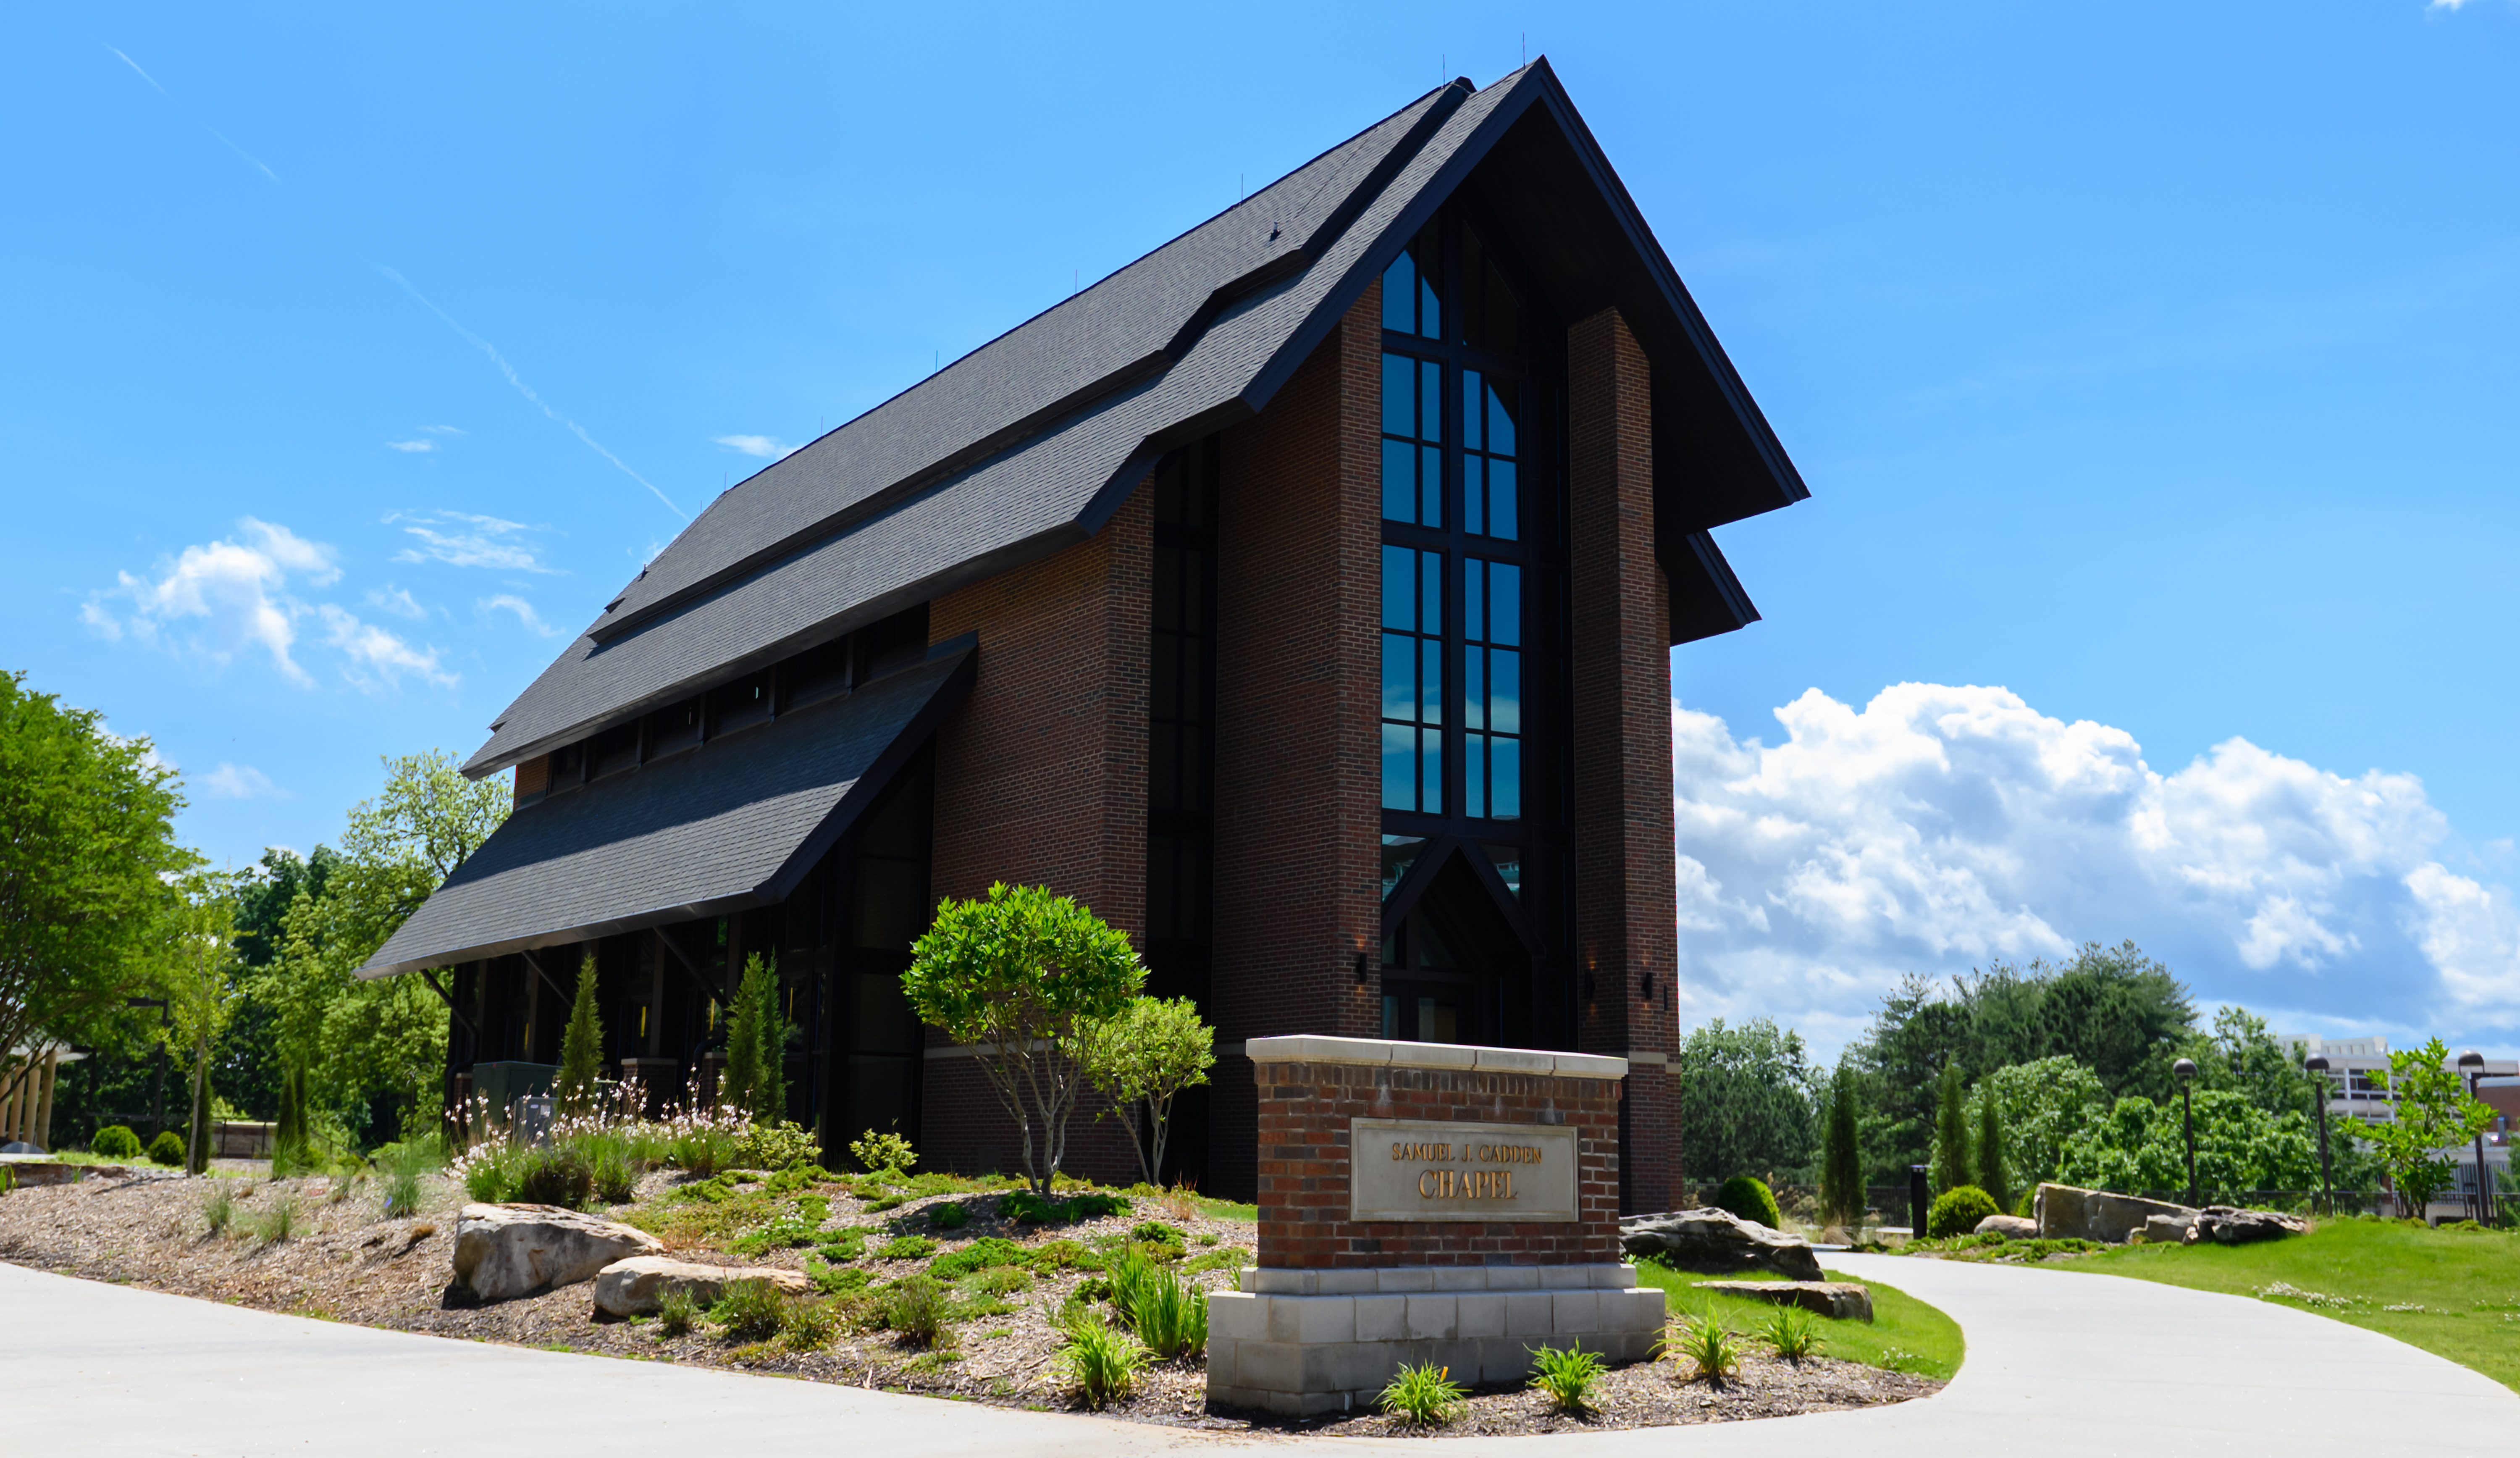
(1305, 1342)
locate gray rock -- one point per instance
(1718, 1243)
(2227, 1225)
(1844, 1299)
(506, 1250)
(2011, 1227)
(636, 1286)
(2068, 1212)
(2168, 1230)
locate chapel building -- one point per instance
(1298, 597)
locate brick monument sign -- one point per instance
(1426, 1203)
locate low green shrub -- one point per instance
(888, 1150)
(843, 1248)
(561, 1174)
(115, 1142)
(167, 1149)
(979, 1255)
(1064, 1254)
(1567, 1375)
(775, 1146)
(907, 1247)
(888, 1201)
(1026, 1207)
(1425, 1396)
(948, 1215)
(808, 1325)
(1750, 1200)
(835, 1279)
(799, 1223)
(1100, 1361)
(998, 1280)
(914, 1309)
(804, 1174)
(1223, 1258)
(749, 1310)
(676, 1310)
(1156, 1231)
(1958, 1209)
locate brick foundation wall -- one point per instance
(1304, 1109)
(1299, 785)
(1627, 937)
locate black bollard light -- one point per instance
(2472, 1064)
(1917, 1200)
(2316, 1064)
(2187, 1071)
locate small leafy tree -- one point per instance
(755, 1082)
(1841, 1154)
(1153, 1050)
(1990, 1153)
(201, 988)
(1036, 981)
(2432, 1113)
(581, 1050)
(1951, 1132)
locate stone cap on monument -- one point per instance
(1463, 1057)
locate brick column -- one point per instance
(1627, 950)
(1298, 781)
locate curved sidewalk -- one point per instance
(2059, 1362)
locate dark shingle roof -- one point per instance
(1031, 443)
(734, 824)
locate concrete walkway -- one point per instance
(2059, 1363)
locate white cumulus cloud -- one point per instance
(216, 598)
(376, 654)
(414, 446)
(239, 781)
(1937, 827)
(465, 539)
(767, 447)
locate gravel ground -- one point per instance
(342, 1260)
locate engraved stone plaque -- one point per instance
(1437, 1169)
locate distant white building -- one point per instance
(2353, 1092)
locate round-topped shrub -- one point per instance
(116, 1142)
(1749, 1200)
(167, 1149)
(1958, 1209)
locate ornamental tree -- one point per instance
(581, 1051)
(2431, 1111)
(1036, 981)
(1153, 1050)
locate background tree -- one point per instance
(2139, 1146)
(755, 1081)
(1035, 980)
(201, 987)
(581, 1050)
(1841, 1159)
(86, 849)
(1153, 1050)
(2431, 1111)
(1951, 1131)
(373, 1052)
(2042, 1105)
(1988, 1165)
(1748, 1101)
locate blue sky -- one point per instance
(2149, 364)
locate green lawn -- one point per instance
(2458, 1291)
(1905, 1335)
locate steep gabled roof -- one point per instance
(1029, 443)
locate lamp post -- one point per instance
(2187, 1071)
(2316, 1064)
(2472, 1064)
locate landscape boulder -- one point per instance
(1844, 1299)
(2069, 1213)
(1718, 1243)
(2168, 1230)
(2227, 1225)
(2011, 1227)
(637, 1286)
(505, 1251)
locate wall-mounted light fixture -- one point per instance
(1359, 969)
(1646, 987)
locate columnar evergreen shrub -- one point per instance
(1951, 1132)
(754, 1082)
(581, 1051)
(1991, 1174)
(1841, 1157)
(1751, 1200)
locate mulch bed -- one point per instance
(346, 1262)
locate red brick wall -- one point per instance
(1299, 785)
(1625, 895)
(1041, 780)
(1304, 1109)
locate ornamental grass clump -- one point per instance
(1567, 1375)
(401, 1167)
(914, 1309)
(1702, 1347)
(1422, 1396)
(1100, 1361)
(560, 1175)
(749, 1310)
(277, 1222)
(1170, 1314)
(676, 1310)
(219, 1205)
(1794, 1333)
